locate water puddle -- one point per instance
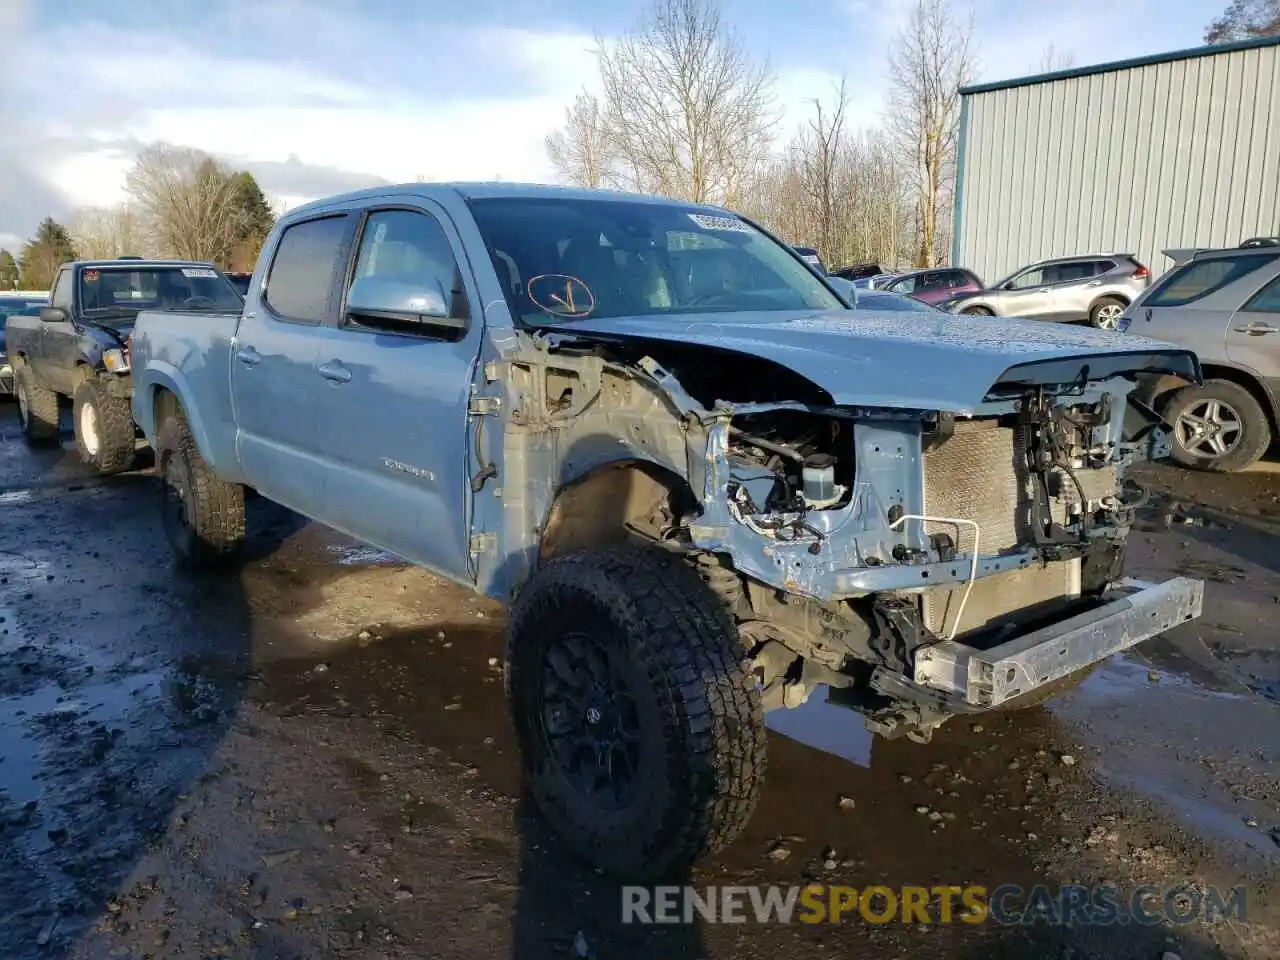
(361, 556)
(825, 726)
(12, 497)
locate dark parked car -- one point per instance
(858, 271)
(78, 346)
(811, 257)
(936, 285)
(10, 304)
(240, 280)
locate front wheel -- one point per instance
(1219, 426)
(641, 730)
(976, 312)
(104, 428)
(203, 515)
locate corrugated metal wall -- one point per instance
(1177, 154)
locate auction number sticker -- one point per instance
(200, 272)
(91, 276)
(721, 223)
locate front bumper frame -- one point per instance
(1133, 611)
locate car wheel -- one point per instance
(203, 516)
(1219, 426)
(104, 428)
(976, 312)
(1106, 313)
(37, 408)
(640, 728)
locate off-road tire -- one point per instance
(204, 519)
(1256, 430)
(116, 435)
(1050, 690)
(701, 722)
(976, 312)
(37, 408)
(1095, 312)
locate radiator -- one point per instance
(975, 476)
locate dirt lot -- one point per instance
(313, 760)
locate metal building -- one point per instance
(1139, 156)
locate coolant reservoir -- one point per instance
(818, 478)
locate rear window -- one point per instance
(1199, 278)
(301, 278)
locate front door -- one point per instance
(1253, 335)
(1026, 295)
(55, 359)
(274, 383)
(394, 432)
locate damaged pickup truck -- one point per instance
(707, 487)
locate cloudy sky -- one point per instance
(319, 96)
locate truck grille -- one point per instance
(976, 475)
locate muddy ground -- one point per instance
(312, 759)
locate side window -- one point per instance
(1199, 278)
(905, 285)
(61, 296)
(931, 281)
(302, 270)
(1266, 300)
(1037, 277)
(409, 255)
(1098, 267)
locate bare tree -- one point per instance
(1245, 20)
(580, 149)
(687, 112)
(1052, 59)
(932, 58)
(189, 202)
(101, 233)
(821, 154)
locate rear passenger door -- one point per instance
(398, 364)
(274, 381)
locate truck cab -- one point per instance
(77, 347)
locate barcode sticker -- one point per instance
(721, 223)
(200, 272)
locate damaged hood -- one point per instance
(907, 360)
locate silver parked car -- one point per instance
(1094, 288)
(1224, 305)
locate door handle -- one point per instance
(334, 371)
(249, 356)
(1257, 329)
(1094, 283)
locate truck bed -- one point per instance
(189, 354)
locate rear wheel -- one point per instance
(641, 731)
(203, 516)
(1219, 426)
(105, 435)
(37, 408)
(1106, 313)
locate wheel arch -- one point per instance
(1241, 377)
(609, 503)
(1119, 297)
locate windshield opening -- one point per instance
(125, 290)
(561, 260)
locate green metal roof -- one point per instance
(1147, 61)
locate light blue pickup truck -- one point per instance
(707, 487)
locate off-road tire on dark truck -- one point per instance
(203, 515)
(37, 408)
(650, 680)
(105, 435)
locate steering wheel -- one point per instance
(194, 302)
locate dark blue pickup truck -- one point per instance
(78, 347)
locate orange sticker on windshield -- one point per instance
(561, 294)
(91, 276)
